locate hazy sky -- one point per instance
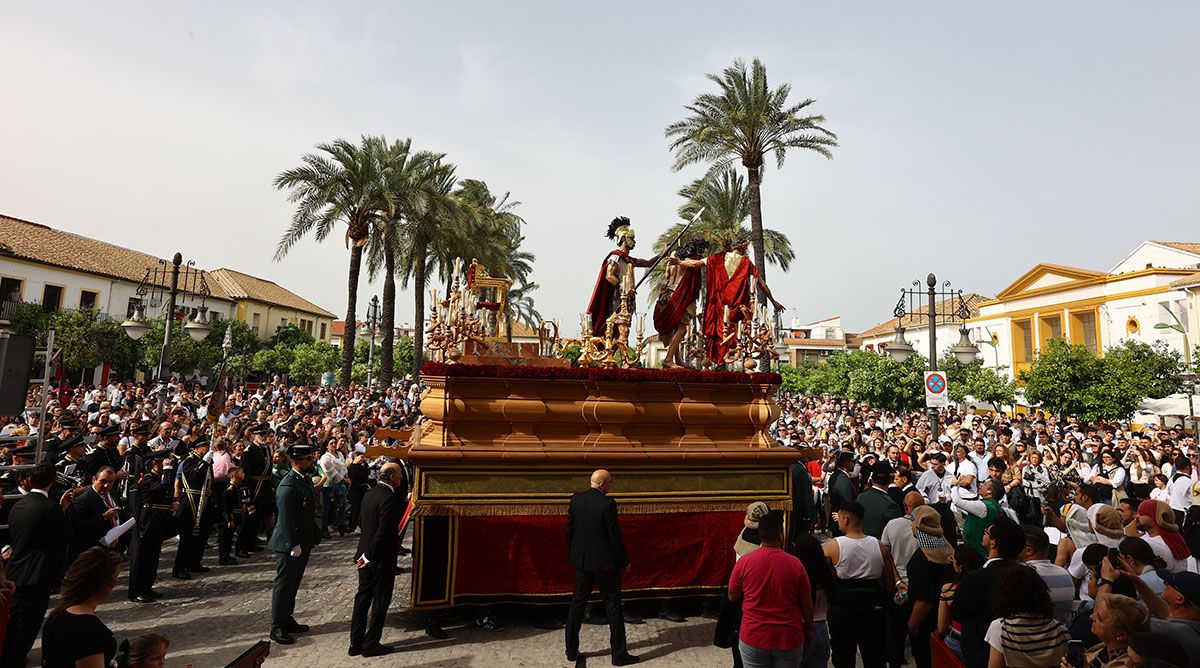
(976, 141)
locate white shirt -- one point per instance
(935, 488)
(1180, 493)
(1163, 551)
(965, 468)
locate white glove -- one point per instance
(296, 551)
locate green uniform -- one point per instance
(295, 526)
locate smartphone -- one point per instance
(1075, 653)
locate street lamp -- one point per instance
(945, 303)
(153, 284)
(369, 332)
(1187, 376)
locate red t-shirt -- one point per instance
(771, 583)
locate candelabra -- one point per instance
(454, 321)
(752, 338)
(611, 350)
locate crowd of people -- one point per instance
(115, 477)
(1030, 541)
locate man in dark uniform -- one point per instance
(14, 481)
(193, 490)
(292, 541)
(376, 561)
(104, 452)
(256, 462)
(137, 454)
(153, 506)
(70, 465)
(598, 554)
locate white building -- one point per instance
(1095, 308)
(813, 341)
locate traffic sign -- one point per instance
(935, 390)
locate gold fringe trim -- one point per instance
(497, 510)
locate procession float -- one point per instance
(510, 433)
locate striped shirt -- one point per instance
(1028, 641)
(1062, 588)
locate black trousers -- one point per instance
(29, 604)
(248, 532)
(143, 562)
(191, 549)
(858, 629)
(376, 583)
(897, 631)
(225, 540)
(921, 651)
(289, 571)
(357, 492)
(609, 583)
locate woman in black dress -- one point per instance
(73, 636)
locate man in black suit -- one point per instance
(1004, 540)
(598, 553)
(93, 513)
(378, 547)
(40, 535)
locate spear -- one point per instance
(667, 250)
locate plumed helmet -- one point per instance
(618, 228)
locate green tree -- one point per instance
(985, 384)
(271, 361)
(312, 360)
(1067, 378)
(885, 383)
(187, 355)
(245, 339)
(1161, 362)
(341, 183)
(747, 120)
(290, 336)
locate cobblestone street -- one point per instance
(214, 617)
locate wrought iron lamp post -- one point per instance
(166, 277)
(371, 326)
(945, 303)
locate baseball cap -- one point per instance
(1186, 583)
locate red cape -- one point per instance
(724, 290)
(598, 306)
(668, 313)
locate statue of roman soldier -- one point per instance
(612, 283)
(676, 305)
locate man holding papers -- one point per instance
(93, 514)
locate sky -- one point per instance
(977, 139)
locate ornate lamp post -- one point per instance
(945, 303)
(154, 284)
(1187, 375)
(369, 332)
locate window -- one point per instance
(1084, 330)
(135, 303)
(1049, 327)
(322, 331)
(306, 325)
(52, 297)
(10, 289)
(1022, 341)
(257, 320)
(87, 299)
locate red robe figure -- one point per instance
(606, 296)
(676, 305)
(730, 279)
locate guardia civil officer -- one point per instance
(292, 541)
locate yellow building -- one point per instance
(266, 306)
(1098, 309)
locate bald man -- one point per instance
(378, 546)
(901, 541)
(598, 554)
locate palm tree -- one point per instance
(431, 222)
(339, 183)
(726, 206)
(747, 120)
(407, 188)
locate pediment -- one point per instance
(1049, 276)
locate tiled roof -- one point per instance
(1187, 247)
(1187, 281)
(245, 286)
(921, 318)
(522, 330)
(46, 245)
(816, 342)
